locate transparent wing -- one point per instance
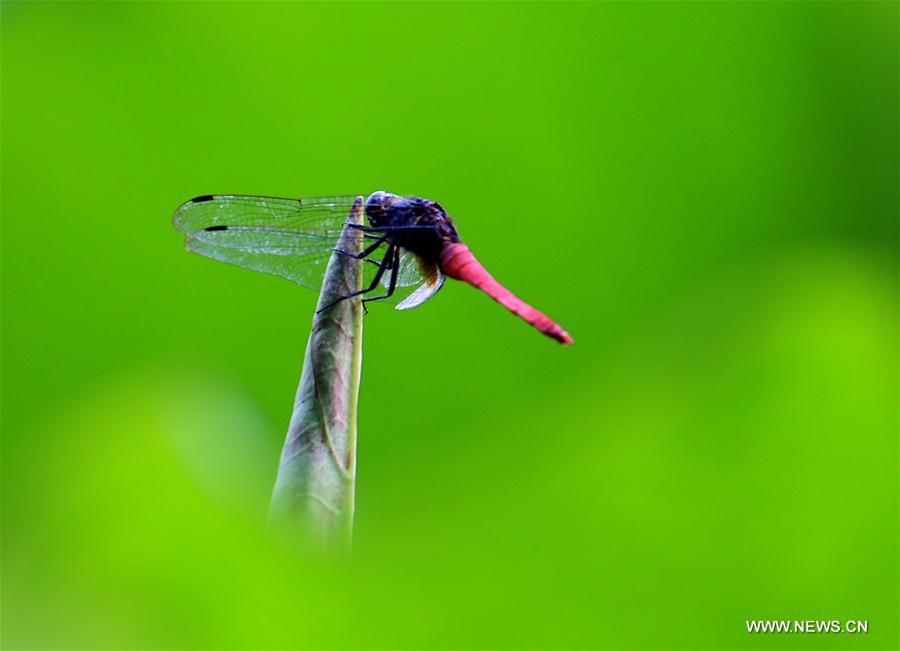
(409, 273)
(434, 280)
(292, 238)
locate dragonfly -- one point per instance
(410, 246)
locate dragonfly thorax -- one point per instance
(411, 222)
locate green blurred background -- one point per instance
(705, 195)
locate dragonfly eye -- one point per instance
(377, 205)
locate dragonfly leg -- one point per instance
(364, 229)
(377, 263)
(392, 285)
(365, 252)
(391, 253)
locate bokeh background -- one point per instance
(704, 194)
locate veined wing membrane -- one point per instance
(416, 280)
(425, 277)
(315, 214)
(292, 238)
(409, 272)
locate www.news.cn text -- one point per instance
(807, 626)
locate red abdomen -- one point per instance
(458, 262)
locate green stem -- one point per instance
(315, 486)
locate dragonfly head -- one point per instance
(377, 206)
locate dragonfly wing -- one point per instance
(292, 238)
(308, 215)
(409, 273)
(434, 280)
